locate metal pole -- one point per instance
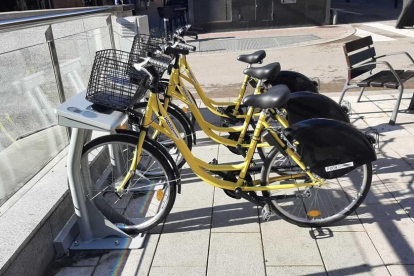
(335, 17)
(56, 68)
(111, 31)
(166, 25)
(55, 63)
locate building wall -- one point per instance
(58, 4)
(225, 15)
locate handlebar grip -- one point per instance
(159, 63)
(187, 33)
(187, 47)
(176, 36)
(176, 51)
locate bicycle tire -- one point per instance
(309, 216)
(141, 198)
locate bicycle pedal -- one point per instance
(213, 162)
(266, 213)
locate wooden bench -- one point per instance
(361, 59)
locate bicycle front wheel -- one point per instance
(149, 194)
(183, 128)
(315, 206)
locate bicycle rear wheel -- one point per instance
(150, 193)
(315, 206)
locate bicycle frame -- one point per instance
(177, 89)
(209, 103)
(198, 166)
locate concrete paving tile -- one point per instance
(390, 229)
(404, 146)
(401, 190)
(371, 114)
(359, 123)
(128, 262)
(194, 194)
(188, 219)
(409, 127)
(351, 253)
(391, 168)
(404, 117)
(387, 105)
(378, 122)
(177, 271)
(236, 254)
(365, 107)
(295, 270)
(397, 132)
(183, 249)
(349, 224)
(379, 97)
(401, 270)
(231, 215)
(75, 271)
(281, 247)
(408, 206)
(379, 194)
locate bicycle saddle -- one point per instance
(256, 57)
(276, 97)
(264, 72)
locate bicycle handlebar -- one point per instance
(159, 63)
(176, 51)
(186, 46)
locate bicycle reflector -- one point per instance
(160, 195)
(314, 213)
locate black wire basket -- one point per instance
(114, 82)
(149, 46)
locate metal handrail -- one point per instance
(8, 25)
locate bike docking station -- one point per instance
(89, 228)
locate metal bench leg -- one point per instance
(346, 87)
(397, 106)
(360, 94)
(411, 107)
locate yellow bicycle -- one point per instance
(181, 72)
(318, 172)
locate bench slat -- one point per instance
(367, 81)
(405, 76)
(361, 56)
(355, 72)
(357, 44)
(387, 78)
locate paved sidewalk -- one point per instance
(270, 38)
(208, 233)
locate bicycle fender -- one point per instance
(171, 162)
(305, 105)
(295, 81)
(331, 148)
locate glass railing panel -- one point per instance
(76, 54)
(29, 135)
